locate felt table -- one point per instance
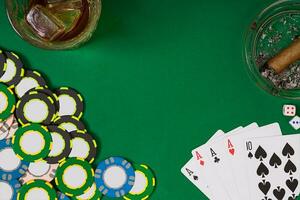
(159, 78)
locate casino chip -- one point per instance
(48, 92)
(28, 135)
(144, 183)
(5, 127)
(11, 166)
(83, 146)
(39, 170)
(62, 196)
(74, 176)
(2, 63)
(91, 194)
(14, 70)
(9, 189)
(70, 123)
(61, 145)
(114, 177)
(7, 102)
(38, 189)
(35, 107)
(31, 79)
(70, 102)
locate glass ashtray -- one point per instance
(76, 24)
(274, 29)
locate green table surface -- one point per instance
(159, 77)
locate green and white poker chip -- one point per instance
(144, 184)
(37, 189)
(7, 102)
(32, 142)
(65, 180)
(35, 107)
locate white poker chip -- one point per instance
(39, 170)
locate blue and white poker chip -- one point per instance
(9, 188)
(11, 166)
(114, 177)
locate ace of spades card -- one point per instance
(273, 170)
(192, 173)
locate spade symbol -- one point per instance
(250, 155)
(264, 187)
(290, 167)
(279, 193)
(292, 184)
(195, 178)
(292, 197)
(217, 160)
(260, 153)
(288, 150)
(266, 198)
(275, 161)
(262, 170)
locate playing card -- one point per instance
(205, 152)
(190, 171)
(235, 160)
(273, 167)
(220, 168)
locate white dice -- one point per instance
(289, 110)
(295, 122)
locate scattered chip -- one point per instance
(144, 183)
(70, 102)
(28, 135)
(9, 189)
(70, 123)
(91, 194)
(39, 170)
(83, 146)
(35, 107)
(38, 189)
(5, 127)
(11, 166)
(14, 70)
(2, 63)
(30, 80)
(66, 171)
(7, 102)
(114, 177)
(61, 145)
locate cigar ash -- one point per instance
(278, 34)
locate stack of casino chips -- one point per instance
(45, 149)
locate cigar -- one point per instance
(286, 57)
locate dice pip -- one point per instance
(289, 110)
(295, 122)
